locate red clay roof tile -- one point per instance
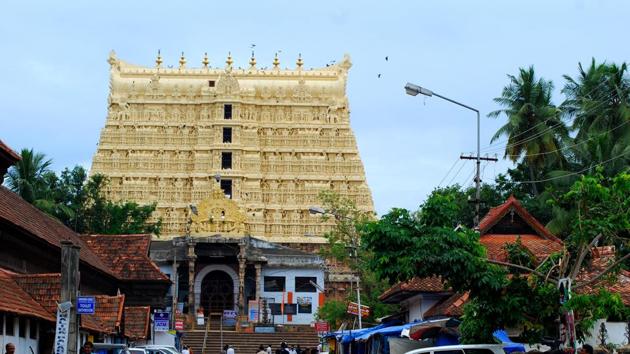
(538, 246)
(126, 255)
(137, 322)
(414, 286)
(19, 213)
(450, 306)
(16, 300)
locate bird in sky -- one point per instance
(253, 45)
(387, 58)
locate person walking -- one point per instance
(269, 349)
(230, 350)
(9, 348)
(261, 350)
(185, 350)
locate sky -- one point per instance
(54, 73)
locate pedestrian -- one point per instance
(230, 350)
(269, 349)
(292, 350)
(224, 350)
(185, 350)
(87, 348)
(586, 349)
(261, 350)
(10, 348)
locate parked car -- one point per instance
(158, 349)
(110, 348)
(461, 349)
(138, 351)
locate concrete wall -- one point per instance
(21, 339)
(419, 304)
(616, 333)
(290, 274)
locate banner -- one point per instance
(253, 311)
(161, 321)
(353, 308)
(62, 329)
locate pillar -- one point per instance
(69, 290)
(192, 257)
(258, 282)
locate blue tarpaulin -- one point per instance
(349, 336)
(509, 345)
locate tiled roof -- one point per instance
(16, 300)
(602, 258)
(537, 245)
(126, 255)
(109, 311)
(497, 213)
(8, 157)
(19, 213)
(452, 306)
(137, 322)
(45, 289)
(414, 286)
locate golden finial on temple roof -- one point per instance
(252, 61)
(299, 62)
(205, 60)
(182, 61)
(276, 62)
(158, 60)
(229, 60)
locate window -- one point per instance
(22, 327)
(304, 304)
(10, 324)
(210, 83)
(303, 284)
(226, 160)
(33, 329)
(227, 111)
(226, 185)
(274, 283)
(227, 135)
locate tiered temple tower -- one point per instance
(270, 139)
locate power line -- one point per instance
(574, 173)
(496, 149)
(576, 144)
(458, 171)
(544, 122)
(449, 171)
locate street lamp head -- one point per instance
(316, 210)
(414, 90)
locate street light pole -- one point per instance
(355, 250)
(414, 90)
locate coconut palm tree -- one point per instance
(598, 101)
(27, 176)
(534, 129)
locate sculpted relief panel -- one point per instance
(289, 138)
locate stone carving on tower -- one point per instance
(273, 138)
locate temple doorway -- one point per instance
(217, 292)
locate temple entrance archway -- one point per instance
(216, 289)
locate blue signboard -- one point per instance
(86, 305)
(160, 321)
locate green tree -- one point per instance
(424, 244)
(598, 101)
(535, 131)
(344, 254)
(27, 177)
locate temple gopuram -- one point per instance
(233, 158)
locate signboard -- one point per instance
(229, 317)
(179, 324)
(62, 328)
(253, 312)
(86, 305)
(321, 326)
(304, 304)
(353, 308)
(160, 321)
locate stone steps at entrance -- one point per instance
(247, 343)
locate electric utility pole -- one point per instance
(477, 199)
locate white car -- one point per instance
(158, 349)
(461, 349)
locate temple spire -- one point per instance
(158, 60)
(229, 60)
(182, 61)
(299, 62)
(205, 60)
(276, 62)
(252, 62)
